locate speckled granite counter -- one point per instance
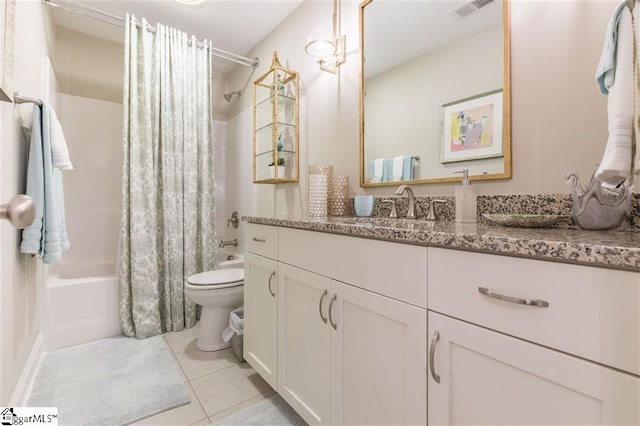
(611, 249)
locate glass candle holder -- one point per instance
(339, 198)
(319, 190)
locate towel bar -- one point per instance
(19, 99)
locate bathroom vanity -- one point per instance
(377, 321)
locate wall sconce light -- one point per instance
(329, 47)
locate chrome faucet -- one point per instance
(233, 242)
(411, 214)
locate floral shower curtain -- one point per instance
(168, 213)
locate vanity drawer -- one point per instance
(391, 269)
(262, 240)
(592, 312)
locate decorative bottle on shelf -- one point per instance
(280, 88)
(466, 200)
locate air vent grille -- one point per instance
(470, 7)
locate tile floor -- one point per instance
(219, 384)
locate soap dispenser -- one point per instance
(466, 200)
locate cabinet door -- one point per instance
(261, 315)
(304, 339)
(490, 378)
(378, 359)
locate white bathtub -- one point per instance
(82, 301)
(81, 304)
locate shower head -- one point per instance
(228, 96)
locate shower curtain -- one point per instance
(168, 213)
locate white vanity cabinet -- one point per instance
(260, 344)
(347, 355)
(490, 378)
(351, 327)
(520, 341)
(304, 351)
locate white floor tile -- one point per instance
(197, 363)
(183, 341)
(241, 406)
(226, 388)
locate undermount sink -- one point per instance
(384, 222)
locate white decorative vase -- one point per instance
(272, 170)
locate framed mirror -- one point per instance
(435, 93)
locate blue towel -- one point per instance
(47, 236)
(407, 168)
(372, 168)
(605, 73)
(386, 170)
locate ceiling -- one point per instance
(232, 25)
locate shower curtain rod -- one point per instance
(90, 12)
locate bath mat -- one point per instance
(271, 411)
(113, 381)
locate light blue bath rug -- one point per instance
(272, 411)
(113, 381)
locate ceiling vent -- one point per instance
(470, 7)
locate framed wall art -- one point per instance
(472, 128)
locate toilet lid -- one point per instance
(218, 277)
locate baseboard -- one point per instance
(20, 394)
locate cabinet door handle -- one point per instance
(324, 293)
(516, 300)
(259, 240)
(333, 324)
(432, 351)
(273, 274)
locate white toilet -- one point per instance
(218, 292)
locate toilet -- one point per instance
(218, 292)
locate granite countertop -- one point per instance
(619, 249)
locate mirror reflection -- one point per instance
(434, 91)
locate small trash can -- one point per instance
(234, 332)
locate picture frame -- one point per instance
(471, 128)
(7, 30)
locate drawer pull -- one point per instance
(273, 274)
(324, 293)
(259, 240)
(432, 351)
(333, 324)
(516, 300)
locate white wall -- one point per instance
(93, 129)
(559, 120)
(89, 66)
(19, 319)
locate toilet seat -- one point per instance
(219, 278)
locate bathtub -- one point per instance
(82, 301)
(81, 304)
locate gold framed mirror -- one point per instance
(435, 91)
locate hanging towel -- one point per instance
(378, 169)
(397, 167)
(386, 170)
(616, 162)
(47, 236)
(605, 73)
(407, 168)
(25, 114)
(59, 150)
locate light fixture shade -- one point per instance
(321, 43)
